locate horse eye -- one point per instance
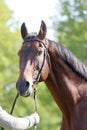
(39, 52)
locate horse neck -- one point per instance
(61, 82)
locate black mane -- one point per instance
(72, 61)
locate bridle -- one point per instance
(46, 56)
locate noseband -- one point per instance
(46, 56)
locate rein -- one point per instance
(14, 103)
(35, 103)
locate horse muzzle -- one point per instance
(24, 88)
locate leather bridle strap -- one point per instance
(39, 73)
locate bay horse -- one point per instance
(41, 59)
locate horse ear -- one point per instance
(42, 31)
(24, 31)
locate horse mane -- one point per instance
(71, 60)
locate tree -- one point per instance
(9, 42)
(71, 26)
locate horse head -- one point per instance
(34, 63)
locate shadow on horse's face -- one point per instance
(33, 63)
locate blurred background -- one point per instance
(67, 24)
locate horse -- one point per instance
(41, 59)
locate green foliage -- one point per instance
(9, 42)
(71, 28)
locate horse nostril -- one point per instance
(27, 84)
